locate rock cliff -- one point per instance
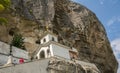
(74, 24)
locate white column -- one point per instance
(45, 50)
(51, 50)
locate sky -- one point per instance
(108, 12)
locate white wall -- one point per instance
(48, 38)
(4, 59)
(4, 48)
(39, 66)
(60, 51)
(19, 53)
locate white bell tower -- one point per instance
(47, 37)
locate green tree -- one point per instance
(3, 21)
(1, 8)
(4, 4)
(18, 41)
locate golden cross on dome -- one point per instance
(48, 25)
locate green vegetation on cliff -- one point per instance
(4, 4)
(18, 41)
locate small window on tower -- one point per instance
(44, 40)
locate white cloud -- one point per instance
(116, 48)
(101, 2)
(110, 22)
(118, 70)
(119, 66)
(113, 20)
(119, 19)
(116, 44)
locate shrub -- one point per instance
(1, 7)
(3, 21)
(5, 3)
(18, 41)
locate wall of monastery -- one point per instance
(16, 52)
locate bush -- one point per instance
(5, 3)
(18, 41)
(1, 7)
(3, 21)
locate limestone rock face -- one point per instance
(57, 65)
(84, 30)
(74, 24)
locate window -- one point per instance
(53, 39)
(44, 40)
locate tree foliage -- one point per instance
(1, 7)
(5, 3)
(3, 21)
(18, 41)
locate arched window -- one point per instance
(44, 40)
(42, 54)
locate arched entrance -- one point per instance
(42, 54)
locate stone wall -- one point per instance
(39, 66)
(16, 52)
(51, 65)
(4, 48)
(4, 60)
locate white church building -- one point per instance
(51, 48)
